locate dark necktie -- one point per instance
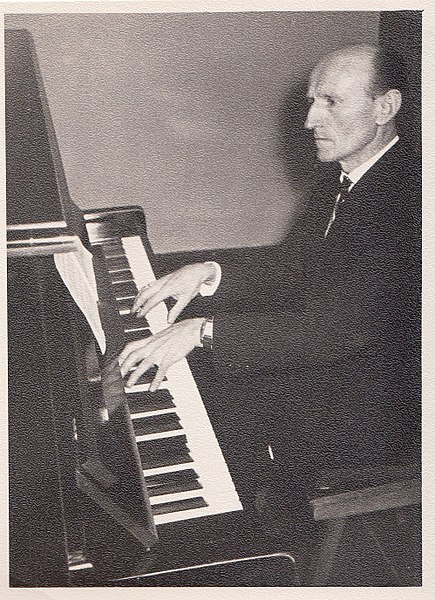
(342, 194)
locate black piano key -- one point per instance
(113, 251)
(124, 275)
(115, 263)
(160, 490)
(163, 452)
(139, 402)
(176, 481)
(132, 321)
(165, 445)
(148, 377)
(125, 304)
(138, 334)
(178, 505)
(165, 461)
(125, 289)
(184, 476)
(156, 424)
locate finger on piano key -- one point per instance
(147, 377)
(133, 322)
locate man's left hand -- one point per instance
(162, 349)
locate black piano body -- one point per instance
(81, 510)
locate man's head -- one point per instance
(355, 94)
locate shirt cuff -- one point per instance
(209, 287)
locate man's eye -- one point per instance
(330, 101)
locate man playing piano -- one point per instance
(339, 360)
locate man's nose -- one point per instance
(313, 116)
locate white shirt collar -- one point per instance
(356, 174)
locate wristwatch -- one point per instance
(206, 333)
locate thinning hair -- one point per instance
(387, 66)
(389, 72)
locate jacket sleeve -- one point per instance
(365, 304)
(290, 339)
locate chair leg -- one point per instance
(328, 550)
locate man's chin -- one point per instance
(325, 156)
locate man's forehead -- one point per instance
(341, 75)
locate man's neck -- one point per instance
(356, 174)
(382, 139)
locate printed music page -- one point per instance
(77, 273)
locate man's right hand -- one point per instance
(182, 285)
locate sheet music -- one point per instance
(77, 273)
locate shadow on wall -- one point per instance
(402, 31)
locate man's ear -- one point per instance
(387, 106)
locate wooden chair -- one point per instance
(369, 504)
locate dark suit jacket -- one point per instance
(337, 359)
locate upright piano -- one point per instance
(108, 486)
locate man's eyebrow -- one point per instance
(329, 96)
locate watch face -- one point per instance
(207, 334)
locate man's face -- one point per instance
(342, 111)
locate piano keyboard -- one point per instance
(184, 469)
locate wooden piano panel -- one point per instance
(38, 554)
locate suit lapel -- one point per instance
(362, 204)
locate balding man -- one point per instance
(342, 356)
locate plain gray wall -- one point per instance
(196, 117)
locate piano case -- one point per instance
(81, 510)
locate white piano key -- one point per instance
(167, 469)
(119, 281)
(152, 413)
(119, 271)
(144, 387)
(148, 437)
(191, 513)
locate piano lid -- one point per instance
(41, 218)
